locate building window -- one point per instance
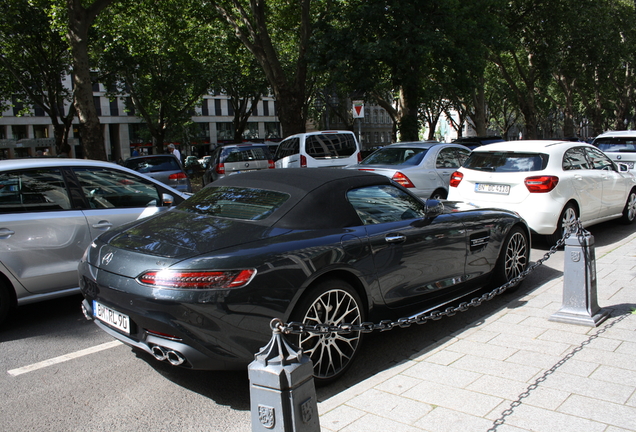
(251, 131)
(17, 107)
(19, 132)
(272, 130)
(39, 111)
(230, 108)
(114, 108)
(204, 107)
(130, 107)
(217, 107)
(266, 108)
(255, 110)
(40, 131)
(224, 131)
(375, 116)
(98, 105)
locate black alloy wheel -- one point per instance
(332, 302)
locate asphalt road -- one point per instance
(61, 373)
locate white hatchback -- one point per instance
(549, 183)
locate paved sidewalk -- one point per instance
(514, 370)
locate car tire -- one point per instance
(568, 216)
(5, 301)
(439, 194)
(514, 258)
(629, 212)
(331, 302)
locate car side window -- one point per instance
(35, 190)
(446, 158)
(462, 155)
(384, 203)
(598, 160)
(106, 188)
(288, 147)
(574, 159)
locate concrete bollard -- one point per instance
(579, 283)
(282, 392)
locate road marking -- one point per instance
(63, 358)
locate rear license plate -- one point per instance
(111, 317)
(492, 188)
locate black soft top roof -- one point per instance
(317, 195)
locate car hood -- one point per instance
(180, 235)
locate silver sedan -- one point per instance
(50, 211)
(422, 167)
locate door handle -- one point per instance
(5, 233)
(395, 238)
(103, 225)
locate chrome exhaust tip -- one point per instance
(159, 352)
(175, 358)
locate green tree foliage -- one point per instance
(34, 62)
(162, 55)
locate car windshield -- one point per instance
(395, 156)
(506, 161)
(625, 145)
(234, 202)
(146, 165)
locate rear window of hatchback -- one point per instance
(506, 161)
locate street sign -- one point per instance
(358, 109)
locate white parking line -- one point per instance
(62, 358)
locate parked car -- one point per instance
(51, 209)
(423, 167)
(204, 161)
(549, 183)
(164, 168)
(199, 285)
(324, 149)
(237, 158)
(473, 142)
(620, 146)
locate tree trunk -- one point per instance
(409, 125)
(80, 20)
(479, 103)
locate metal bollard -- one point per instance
(579, 283)
(282, 392)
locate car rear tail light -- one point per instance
(197, 279)
(178, 176)
(359, 157)
(456, 179)
(220, 168)
(303, 161)
(271, 164)
(541, 184)
(403, 180)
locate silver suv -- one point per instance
(620, 146)
(237, 158)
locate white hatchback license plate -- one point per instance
(492, 188)
(111, 317)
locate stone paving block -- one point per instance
(615, 429)
(340, 417)
(613, 414)
(442, 374)
(390, 406)
(370, 422)
(532, 344)
(553, 326)
(593, 355)
(444, 420)
(527, 332)
(579, 368)
(453, 398)
(444, 357)
(481, 336)
(614, 375)
(500, 387)
(495, 352)
(601, 390)
(502, 369)
(532, 358)
(537, 419)
(572, 335)
(398, 384)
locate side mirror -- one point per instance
(167, 199)
(622, 167)
(434, 208)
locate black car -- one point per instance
(199, 285)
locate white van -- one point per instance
(328, 149)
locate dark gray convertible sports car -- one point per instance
(198, 286)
